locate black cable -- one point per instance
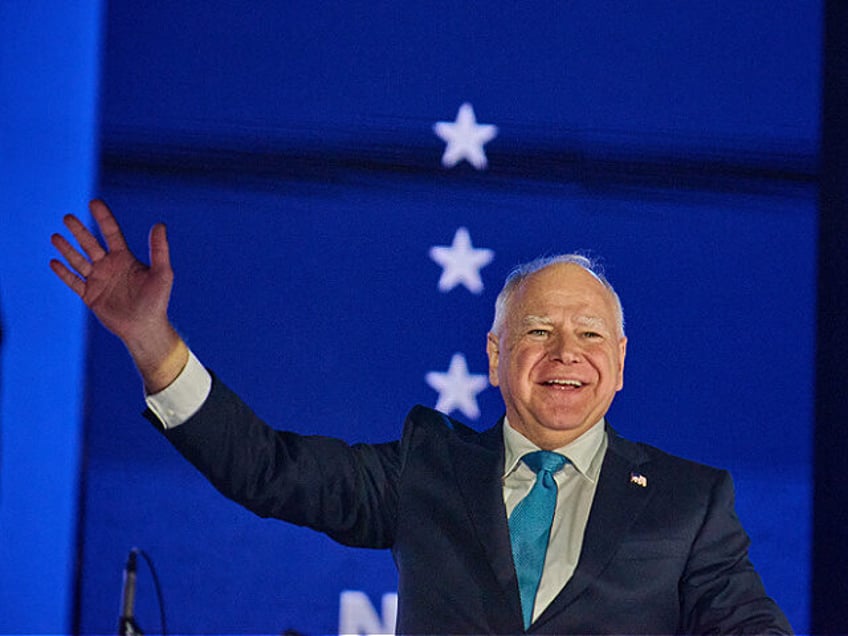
(159, 596)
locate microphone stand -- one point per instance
(128, 627)
(126, 623)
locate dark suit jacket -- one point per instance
(667, 556)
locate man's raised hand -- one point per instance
(128, 297)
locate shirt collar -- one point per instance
(582, 453)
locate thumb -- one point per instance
(160, 256)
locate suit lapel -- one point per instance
(617, 504)
(479, 469)
(618, 501)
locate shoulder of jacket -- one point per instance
(426, 417)
(641, 453)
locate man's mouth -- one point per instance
(576, 384)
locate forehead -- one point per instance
(562, 286)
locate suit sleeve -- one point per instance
(348, 492)
(720, 590)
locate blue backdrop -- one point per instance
(49, 70)
(291, 151)
(319, 303)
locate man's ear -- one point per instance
(493, 351)
(622, 352)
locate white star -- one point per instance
(465, 138)
(461, 263)
(457, 388)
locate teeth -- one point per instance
(565, 382)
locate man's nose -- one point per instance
(565, 348)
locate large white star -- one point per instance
(461, 263)
(465, 138)
(457, 388)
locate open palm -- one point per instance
(127, 296)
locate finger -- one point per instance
(81, 264)
(68, 277)
(160, 254)
(109, 227)
(89, 244)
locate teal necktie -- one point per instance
(530, 527)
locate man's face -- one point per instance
(559, 359)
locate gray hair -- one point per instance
(518, 275)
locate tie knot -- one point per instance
(547, 461)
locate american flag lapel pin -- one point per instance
(639, 479)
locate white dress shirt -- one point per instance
(181, 399)
(576, 484)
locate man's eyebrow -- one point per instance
(590, 321)
(532, 319)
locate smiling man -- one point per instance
(547, 523)
(556, 349)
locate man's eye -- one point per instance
(538, 332)
(591, 334)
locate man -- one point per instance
(548, 522)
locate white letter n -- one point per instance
(357, 617)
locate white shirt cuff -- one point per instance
(181, 399)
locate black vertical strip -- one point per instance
(79, 546)
(830, 525)
(76, 616)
